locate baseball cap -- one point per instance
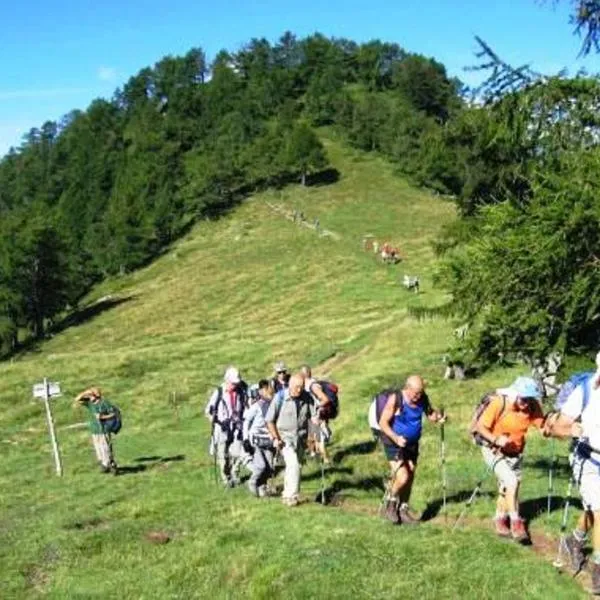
(279, 367)
(232, 375)
(525, 387)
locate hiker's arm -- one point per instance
(248, 419)
(270, 420)
(211, 404)
(386, 418)
(81, 396)
(563, 426)
(434, 416)
(322, 397)
(486, 423)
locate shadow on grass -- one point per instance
(559, 468)
(160, 459)
(83, 315)
(533, 508)
(149, 462)
(331, 493)
(358, 448)
(328, 472)
(325, 177)
(433, 507)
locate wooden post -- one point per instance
(53, 439)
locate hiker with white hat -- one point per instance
(501, 428)
(225, 410)
(281, 377)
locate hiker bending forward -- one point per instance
(225, 410)
(287, 420)
(401, 424)
(258, 442)
(584, 406)
(100, 411)
(503, 425)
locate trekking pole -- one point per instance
(551, 476)
(443, 467)
(322, 480)
(476, 491)
(558, 563)
(214, 449)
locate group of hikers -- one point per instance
(279, 417)
(283, 417)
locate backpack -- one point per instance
(581, 378)
(376, 409)
(483, 403)
(331, 390)
(114, 424)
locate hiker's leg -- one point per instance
(404, 494)
(97, 447)
(401, 478)
(102, 450)
(223, 460)
(291, 477)
(258, 469)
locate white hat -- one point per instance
(232, 375)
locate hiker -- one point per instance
(225, 410)
(401, 425)
(501, 429)
(102, 416)
(579, 418)
(258, 442)
(281, 377)
(319, 432)
(287, 421)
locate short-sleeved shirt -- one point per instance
(291, 415)
(590, 415)
(100, 408)
(502, 417)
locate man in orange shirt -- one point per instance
(502, 427)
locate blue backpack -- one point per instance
(114, 424)
(582, 378)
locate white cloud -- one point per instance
(107, 73)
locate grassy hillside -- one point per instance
(249, 289)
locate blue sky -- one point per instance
(56, 56)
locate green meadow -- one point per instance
(248, 289)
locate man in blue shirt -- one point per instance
(401, 425)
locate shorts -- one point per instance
(395, 453)
(506, 468)
(587, 476)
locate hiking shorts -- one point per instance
(587, 476)
(506, 468)
(395, 453)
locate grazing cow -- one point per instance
(411, 283)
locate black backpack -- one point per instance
(114, 424)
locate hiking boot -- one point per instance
(502, 526)
(519, 531)
(595, 579)
(290, 501)
(105, 468)
(391, 512)
(574, 550)
(405, 517)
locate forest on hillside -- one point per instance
(105, 190)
